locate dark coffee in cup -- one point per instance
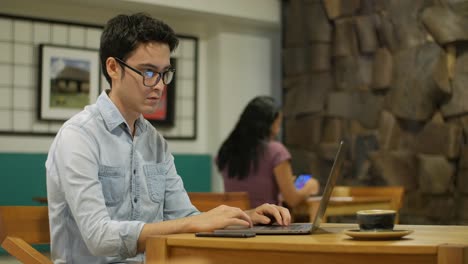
(376, 220)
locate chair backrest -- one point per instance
(21, 226)
(205, 201)
(395, 192)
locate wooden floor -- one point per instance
(8, 260)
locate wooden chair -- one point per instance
(394, 193)
(21, 226)
(205, 201)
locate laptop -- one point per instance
(298, 228)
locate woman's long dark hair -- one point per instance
(244, 146)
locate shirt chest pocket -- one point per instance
(113, 183)
(156, 181)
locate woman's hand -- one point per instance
(311, 187)
(269, 213)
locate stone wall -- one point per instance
(390, 77)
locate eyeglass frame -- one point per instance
(160, 74)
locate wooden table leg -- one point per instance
(157, 253)
(452, 254)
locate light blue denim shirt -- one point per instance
(103, 185)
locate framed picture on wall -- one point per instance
(164, 113)
(69, 79)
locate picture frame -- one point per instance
(69, 79)
(165, 111)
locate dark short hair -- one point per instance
(124, 33)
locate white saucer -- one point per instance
(377, 235)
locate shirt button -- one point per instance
(135, 200)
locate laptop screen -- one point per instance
(334, 173)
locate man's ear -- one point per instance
(113, 68)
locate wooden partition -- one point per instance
(347, 200)
(393, 193)
(205, 201)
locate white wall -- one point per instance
(245, 72)
(239, 56)
(262, 10)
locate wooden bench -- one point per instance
(21, 226)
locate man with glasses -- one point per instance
(111, 180)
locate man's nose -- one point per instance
(159, 86)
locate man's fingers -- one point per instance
(276, 213)
(243, 216)
(237, 222)
(271, 211)
(235, 213)
(285, 215)
(262, 219)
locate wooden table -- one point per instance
(342, 205)
(426, 245)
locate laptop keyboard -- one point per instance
(278, 227)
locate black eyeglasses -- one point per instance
(151, 78)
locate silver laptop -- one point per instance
(299, 228)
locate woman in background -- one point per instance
(251, 160)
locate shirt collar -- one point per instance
(111, 114)
(141, 124)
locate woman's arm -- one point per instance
(284, 178)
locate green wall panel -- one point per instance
(195, 170)
(23, 176)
